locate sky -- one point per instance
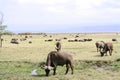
(61, 15)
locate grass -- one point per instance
(16, 70)
(18, 60)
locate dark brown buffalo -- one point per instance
(65, 38)
(58, 46)
(71, 40)
(114, 39)
(14, 41)
(100, 45)
(57, 39)
(30, 42)
(89, 39)
(55, 58)
(108, 47)
(48, 40)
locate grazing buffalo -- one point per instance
(14, 41)
(26, 36)
(30, 42)
(58, 46)
(48, 40)
(114, 39)
(70, 40)
(57, 39)
(99, 45)
(81, 40)
(65, 38)
(55, 58)
(76, 36)
(108, 47)
(89, 39)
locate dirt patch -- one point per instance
(98, 65)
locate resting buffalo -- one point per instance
(100, 45)
(55, 58)
(108, 47)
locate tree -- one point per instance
(2, 28)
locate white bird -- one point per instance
(34, 72)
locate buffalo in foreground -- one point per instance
(108, 47)
(55, 59)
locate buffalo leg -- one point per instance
(71, 68)
(67, 66)
(110, 52)
(100, 49)
(54, 73)
(97, 49)
(54, 69)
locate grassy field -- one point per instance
(18, 60)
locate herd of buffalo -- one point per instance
(103, 47)
(58, 58)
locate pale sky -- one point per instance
(61, 15)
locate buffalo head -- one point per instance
(47, 69)
(102, 53)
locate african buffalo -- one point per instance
(55, 58)
(48, 40)
(30, 42)
(71, 40)
(58, 46)
(108, 47)
(114, 39)
(65, 38)
(57, 39)
(99, 45)
(14, 41)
